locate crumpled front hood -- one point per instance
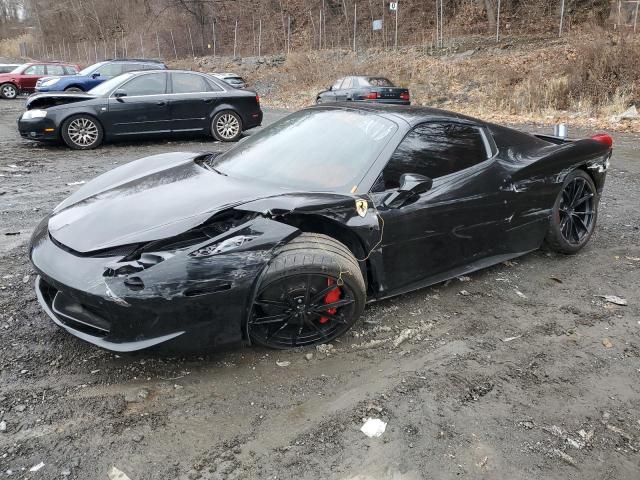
(45, 100)
(149, 199)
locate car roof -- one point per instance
(135, 60)
(409, 113)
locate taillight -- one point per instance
(404, 96)
(603, 138)
(372, 96)
(257, 98)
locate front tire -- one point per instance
(312, 292)
(9, 91)
(226, 126)
(73, 90)
(574, 214)
(82, 132)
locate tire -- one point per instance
(318, 101)
(574, 214)
(73, 89)
(9, 91)
(226, 126)
(292, 302)
(82, 132)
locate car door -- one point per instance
(330, 95)
(139, 106)
(342, 93)
(458, 222)
(30, 76)
(192, 99)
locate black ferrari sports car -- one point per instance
(138, 104)
(364, 89)
(283, 239)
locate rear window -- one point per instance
(188, 83)
(378, 82)
(55, 70)
(70, 70)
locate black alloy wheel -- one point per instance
(312, 292)
(574, 214)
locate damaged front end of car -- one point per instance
(193, 290)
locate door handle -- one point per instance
(161, 103)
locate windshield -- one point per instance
(106, 87)
(318, 150)
(89, 69)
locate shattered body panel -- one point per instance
(166, 249)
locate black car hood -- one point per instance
(45, 100)
(164, 195)
(149, 199)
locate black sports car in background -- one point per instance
(145, 103)
(364, 89)
(282, 240)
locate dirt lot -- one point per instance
(521, 371)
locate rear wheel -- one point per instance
(8, 91)
(574, 214)
(312, 292)
(226, 126)
(82, 132)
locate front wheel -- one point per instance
(8, 91)
(226, 126)
(312, 292)
(73, 90)
(574, 214)
(82, 132)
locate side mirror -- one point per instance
(119, 93)
(411, 185)
(95, 75)
(414, 183)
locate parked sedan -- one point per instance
(23, 78)
(281, 240)
(364, 89)
(149, 103)
(232, 79)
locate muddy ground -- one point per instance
(493, 383)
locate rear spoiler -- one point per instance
(603, 138)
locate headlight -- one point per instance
(51, 81)
(34, 114)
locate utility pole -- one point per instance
(396, 34)
(498, 22)
(235, 39)
(355, 18)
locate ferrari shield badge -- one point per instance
(361, 207)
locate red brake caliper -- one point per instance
(332, 296)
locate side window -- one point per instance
(434, 150)
(213, 85)
(131, 67)
(110, 70)
(188, 83)
(348, 83)
(336, 86)
(35, 70)
(151, 84)
(69, 70)
(55, 70)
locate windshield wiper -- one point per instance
(207, 163)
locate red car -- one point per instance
(24, 77)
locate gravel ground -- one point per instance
(474, 379)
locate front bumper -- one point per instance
(38, 129)
(187, 303)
